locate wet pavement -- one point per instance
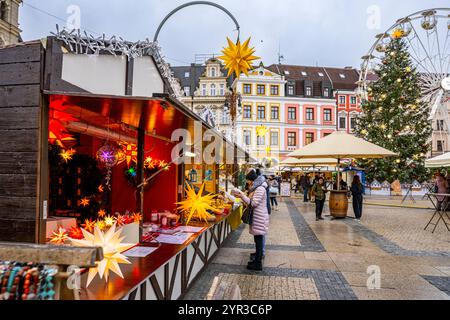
(388, 255)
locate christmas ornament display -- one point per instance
(111, 243)
(196, 205)
(59, 236)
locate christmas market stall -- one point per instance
(89, 158)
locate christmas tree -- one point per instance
(394, 117)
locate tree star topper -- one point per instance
(238, 57)
(112, 245)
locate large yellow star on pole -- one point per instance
(261, 131)
(238, 57)
(112, 245)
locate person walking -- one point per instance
(357, 195)
(273, 184)
(257, 198)
(306, 185)
(319, 192)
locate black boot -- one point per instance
(253, 256)
(255, 266)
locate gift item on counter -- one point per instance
(26, 281)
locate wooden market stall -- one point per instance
(86, 128)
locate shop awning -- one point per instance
(438, 162)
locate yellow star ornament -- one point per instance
(261, 131)
(238, 57)
(196, 205)
(112, 245)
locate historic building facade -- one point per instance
(205, 89)
(287, 107)
(9, 22)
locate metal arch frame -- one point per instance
(208, 3)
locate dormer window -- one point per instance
(213, 72)
(304, 73)
(321, 74)
(286, 72)
(326, 92)
(342, 75)
(308, 91)
(187, 74)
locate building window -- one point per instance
(274, 138)
(353, 100)
(274, 90)
(342, 123)
(440, 125)
(292, 139)
(203, 89)
(213, 72)
(247, 89)
(292, 113)
(261, 112)
(247, 112)
(187, 91)
(290, 90)
(247, 137)
(440, 146)
(327, 115)
(352, 123)
(261, 89)
(275, 113)
(309, 91)
(213, 90)
(309, 138)
(326, 92)
(222, 89)
(3, 11)
(342, 100)
(261, 141)
(187, 74)
(225, 118)
(309, 114)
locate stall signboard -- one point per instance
(285, 189)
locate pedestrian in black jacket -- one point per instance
(357, 193)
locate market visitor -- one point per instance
(319, 192)
(441, 188)
(357, 194)
(273, 184)
(257, 198)
(306, 185)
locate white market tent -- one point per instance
(438, 162)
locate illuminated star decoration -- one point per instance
(59, 236)
(89, 225)
(397, 34)
(101, 213)
(137, 217)
(261, 131)
(128, 153)
(101, 189)
(85, 202)
(124, 220)
(75, 233)
(109, 221)
(196, 205)
(67, 155)
(57, 132)
(238, 57)
(112, 245)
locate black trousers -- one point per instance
(259, 243)
(319, 207)
(273, 201)
(357, 206)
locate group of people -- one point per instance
(261, 195)
(318, 189)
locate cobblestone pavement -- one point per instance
(335, 259)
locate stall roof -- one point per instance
(129, 106)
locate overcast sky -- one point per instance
(309, 32)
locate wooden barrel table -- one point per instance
(338, 204)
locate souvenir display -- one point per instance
(26, 281)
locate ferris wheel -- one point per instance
(427, 35)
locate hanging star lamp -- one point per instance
(196, 205)
(261, 131)
(238, 57)
(112, 245)
(59, 236)
(57, 133)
